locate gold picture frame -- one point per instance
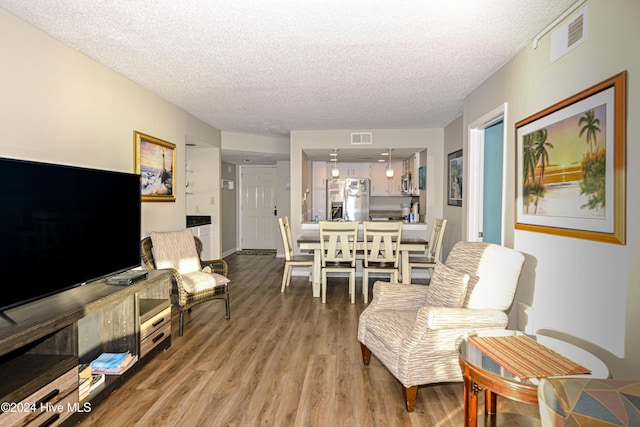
(571, 166)
(152, 158)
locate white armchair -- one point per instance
(413, 329)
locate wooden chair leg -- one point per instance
(366, 354)
(285, 277)
(181, 323)
(227, 307)
(352, 286)
(410, 394)
(365, 286)
(324, 287)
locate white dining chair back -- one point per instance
(434, 249)
(292, 260)
(382, 251)
(338, 244)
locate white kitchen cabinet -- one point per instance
(352, 170)
(319, 203)
(319, 189)
(383, 186)
(319, 174)
(203, 232)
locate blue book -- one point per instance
(109, 360)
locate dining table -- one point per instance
(310, 241)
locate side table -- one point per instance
(481, 373)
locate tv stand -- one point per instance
(41, 350)
(7, 318)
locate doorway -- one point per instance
(485, 214)
(258, 219)
(492, 184)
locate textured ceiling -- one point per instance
(269, 67)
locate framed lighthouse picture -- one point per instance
(155, 161)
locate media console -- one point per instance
(40, 352)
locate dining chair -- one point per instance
(292, 260)
(434, 249)
(338, 243)
(382, 251)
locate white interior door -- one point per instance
(258, 206)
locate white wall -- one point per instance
(255, 143)
(584, 289)
(204, 198)
(59, 106)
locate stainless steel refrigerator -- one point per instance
(348, 199)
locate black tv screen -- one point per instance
(63, 226)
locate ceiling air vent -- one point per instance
(361, 138)
(569, 35)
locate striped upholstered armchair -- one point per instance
(414, 329)
(193, 280)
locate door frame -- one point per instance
(475, 182)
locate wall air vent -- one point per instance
(361, 138)
(569, 35)
(575, 30)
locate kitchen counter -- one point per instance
(414, 226)
(197, 220)
(390, 215)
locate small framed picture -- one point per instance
(422, 178)
(454, 177)
(155, 161)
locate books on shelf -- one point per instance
(113, 363)
(84, 387)
(84, 378)
(87, 385)
(96, 380)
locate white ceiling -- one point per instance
(269, 67)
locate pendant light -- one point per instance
(335, 172)
(389, 172)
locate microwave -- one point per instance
(406, 184)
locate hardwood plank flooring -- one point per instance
(284, 359)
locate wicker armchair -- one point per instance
(413, 329)
(183, 296)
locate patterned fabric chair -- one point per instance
(193, 280)
(413, 329)
(589, 402)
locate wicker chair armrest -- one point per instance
(177, 286)
(397, 296)
(219, 266)
(460, 318)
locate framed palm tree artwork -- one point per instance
(570, 166)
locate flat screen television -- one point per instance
(64, 226)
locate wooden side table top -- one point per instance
(480, 373)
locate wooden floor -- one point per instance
(284, 359)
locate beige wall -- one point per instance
(579, 288)
(453, 233)
(59, 106)
(228, 210)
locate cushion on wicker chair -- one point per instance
(200, 280)
(175, 249)
(447, 288)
